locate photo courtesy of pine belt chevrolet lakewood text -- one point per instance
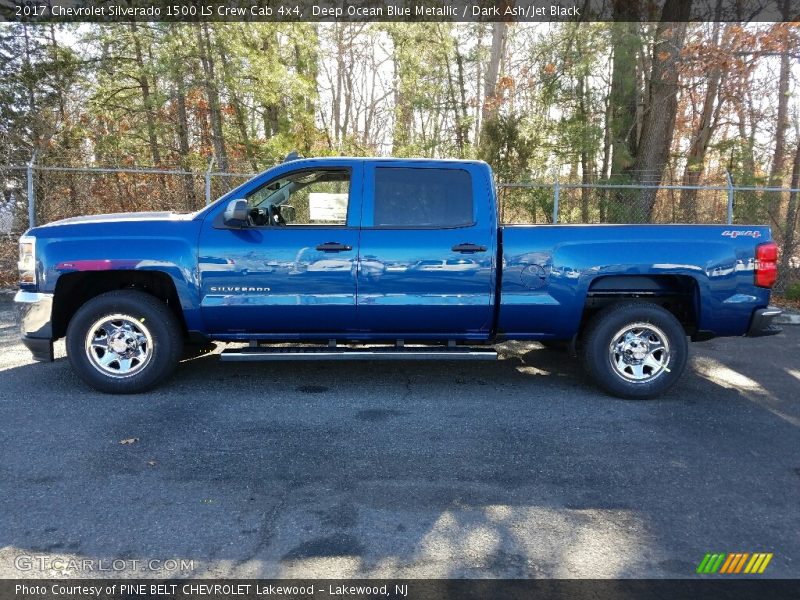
(383, 259)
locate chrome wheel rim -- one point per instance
(639, 353)
(119, 345)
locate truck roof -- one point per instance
(417, 160)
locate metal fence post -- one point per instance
(730, 196)
(556, 194)
(31, 199)
(208, 180)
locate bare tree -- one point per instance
(661, 109)
(489, 107)
(212, 93)
(782, 121)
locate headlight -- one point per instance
(27, 260)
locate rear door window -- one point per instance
(422, 198)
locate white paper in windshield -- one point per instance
(326, 207)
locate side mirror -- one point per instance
(236, 213)
(288, 213)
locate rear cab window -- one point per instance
(407, 197)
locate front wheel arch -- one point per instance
(124, 342)
(74, 290)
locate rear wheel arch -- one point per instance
(678, 294)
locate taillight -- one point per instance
(766, 264)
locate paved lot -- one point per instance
(511, 469)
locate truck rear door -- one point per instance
(427, 250)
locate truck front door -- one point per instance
(292, 270)
(426, 264)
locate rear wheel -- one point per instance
(634, 350)
(124, 342)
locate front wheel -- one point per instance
(123, 342)
(634, 350)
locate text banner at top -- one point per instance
(110, 11)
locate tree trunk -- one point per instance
(270, 115)
(748, 138)
(789, 248)
(586, 166)
(701, 137)
(452, 100)
(144, 85)
(30, 92)
(183, 139)
(402, 131)
(625, 42)
(779, 156)
(74, 197)
(606, 165)
(347, 91)
(212, 94)
(478, 77)
(659, 119)
(463, 118)
(337, 95)
(238, 111)
(489, 108)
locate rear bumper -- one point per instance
(34, 312)
(761, 323)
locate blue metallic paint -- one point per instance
(573, 256)
(309, 291)
(412, 282)
(397, 282)
(168, 245)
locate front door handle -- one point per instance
(468, 248)
(333, 247)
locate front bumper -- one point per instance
(34, 313)
(761, 323)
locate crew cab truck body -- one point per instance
(384, 259)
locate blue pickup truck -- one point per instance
(383, 259)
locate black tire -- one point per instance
(609, 373)
(151, 321)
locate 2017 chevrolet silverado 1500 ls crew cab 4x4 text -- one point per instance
(383, 259)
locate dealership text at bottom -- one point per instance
(204, 589)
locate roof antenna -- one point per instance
(293, 155)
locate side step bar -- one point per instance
(255, 353)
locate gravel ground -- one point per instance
(518, 468)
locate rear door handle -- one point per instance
(333, 247)
(468, 248)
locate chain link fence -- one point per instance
(37, 194)
(543, 203)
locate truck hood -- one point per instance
(129, 217)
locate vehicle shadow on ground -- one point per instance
(511, 469)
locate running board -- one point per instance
(254, 353)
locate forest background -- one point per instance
(637, 103)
